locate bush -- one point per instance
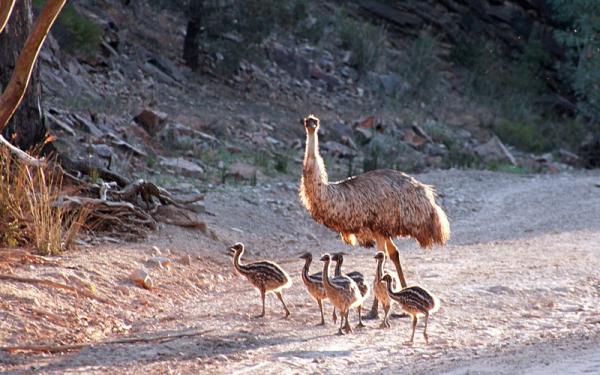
(580, 34)
(27, 214)
(420, 69)
(74, 32)
(365, 41)
(510, 85)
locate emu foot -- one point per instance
(340, 332)
(384, 325)
(287, 314)
(360, 325)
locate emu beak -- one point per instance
(229, 252)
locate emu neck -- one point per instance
(379, 272)
(338, 267)
(305, 270)
(314, 169)
(326, 281)
(237, 264)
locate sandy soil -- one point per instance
(519, 285)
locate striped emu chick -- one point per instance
(343, 293)
(415, 301)
(380, 287)
(358, 278)
(314, 284)
(265, 276)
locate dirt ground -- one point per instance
(519, 285)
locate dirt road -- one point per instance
(519, 285)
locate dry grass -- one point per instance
(27, 213)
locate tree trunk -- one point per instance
(26, 128)
(191, 48)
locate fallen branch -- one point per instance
(53, 284)
(66, 348)
(22, 155)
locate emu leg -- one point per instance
(262, 297)
(385, 323)
(322, 316)
(347, 326)
(287, 312)
(425, 329)
(414, 325)
(360, 323)
(340, 332)
(334, 316)
(373, 314)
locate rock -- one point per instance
(155, 251)
(569, 158)
(363, 135)
(390, 83)
(185, 167)
(197, 207)
(368, 123)
(186, 260)
(160, 262)
(243, 171)
(142, 278)
(54, 121)
(152, 121)
(296, 65)
(86, 125)
(338, 149)
(332, 81)
(102, 150)
(589, 153)
(413, 138)
(494, 150)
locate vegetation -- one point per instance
(365, 41)
(419, 71)
(75, 32)
(581, 36)
(27, 213)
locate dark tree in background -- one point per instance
(191, 48)
(26, 128)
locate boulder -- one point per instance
(494, 150)
(185, 167)
(141, 278)
(152, 121)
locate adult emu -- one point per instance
(371, 208)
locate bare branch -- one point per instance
(6, 7)
(22, 155)
(15, 90)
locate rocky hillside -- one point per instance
(126, 95)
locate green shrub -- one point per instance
(509, 85)
(76, 33)
(365, 41)
(420, 69)
(580, 35)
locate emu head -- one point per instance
(380, 255)
(235, 249)
(338, 257)
(387, 278)
(306, 256)
(311, 124)
(325, 258)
